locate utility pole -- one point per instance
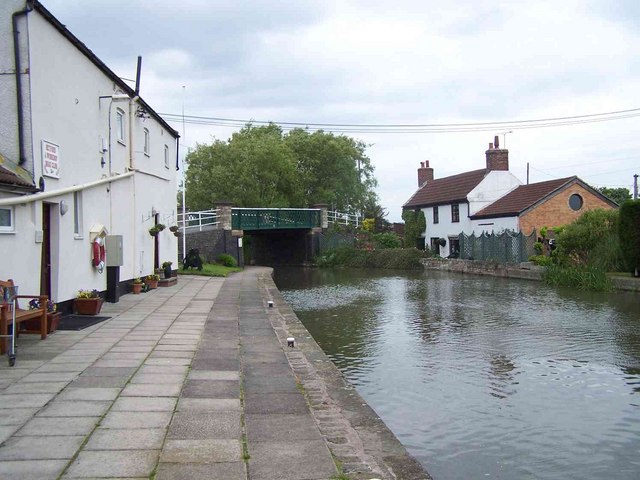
(635, 186)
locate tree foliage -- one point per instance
(618, 195)
(414, 226)
(629, 230)
(260, 166)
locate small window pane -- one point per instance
(120, 125)
(166, 156)
(5, 218)
(146, 141)
(575, 202)
(77, 213)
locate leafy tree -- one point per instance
(414, 226)
(262, 167)
(255, 168)
(629, 230)
(618, 195)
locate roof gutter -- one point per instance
(22, 158)
(54, 193)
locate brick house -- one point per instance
(492, 199)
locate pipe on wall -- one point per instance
(22, 157)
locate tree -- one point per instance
(255, 168)
(262, 167)
(629, 230)
(618, 195)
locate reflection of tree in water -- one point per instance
(501, 375)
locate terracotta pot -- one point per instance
(87, 306)
(136, 288)
(153, 284)
(33, 326)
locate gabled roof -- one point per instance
(446, 190)
(100, 64)
(524, 197)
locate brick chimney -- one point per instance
(425, 173)
(497, 158)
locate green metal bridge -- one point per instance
(275, 218)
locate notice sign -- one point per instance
(50, 159)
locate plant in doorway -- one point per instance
(166, 266)
(87, 302)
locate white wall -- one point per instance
(496, 184)
(66, 110)
(445, 228)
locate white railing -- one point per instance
(198, 219)
(342, 218)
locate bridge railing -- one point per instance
(197, 220)
(274, 218)
(342, 218)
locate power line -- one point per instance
(415, 128)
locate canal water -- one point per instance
(481, 377)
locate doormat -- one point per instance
(79, 322)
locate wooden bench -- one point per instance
(6, 315)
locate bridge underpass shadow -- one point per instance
(282, 247)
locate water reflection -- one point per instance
(483, 377)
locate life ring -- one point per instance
(99, 254)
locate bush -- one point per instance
(629, 234)
(226, 260)
(538, 247)
(414, 227)
(400, 258)
(541, 260)
(387, 240)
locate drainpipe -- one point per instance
(132, 166)
(22, 158)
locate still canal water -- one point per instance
(482, 377)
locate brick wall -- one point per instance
(556, 211)
(211, 243)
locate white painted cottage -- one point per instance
(81, 155)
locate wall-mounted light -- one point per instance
(64, 207)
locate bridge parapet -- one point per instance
(275, 218)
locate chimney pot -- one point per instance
(491, 146)
(496, 141)
(497, 159)
(425, 173)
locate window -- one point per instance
(435, 244)
(575, 202)
(455, 213)
(146, 142)
(6, 219)
(436, 216)
(454, 247)
(166, 156)
(120, 125)
(77, 214)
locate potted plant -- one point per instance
(152, 281)
(174, 228)
(87, 302)
(156, 229)
(159, 272)
(53, 317)
(166, 266)
(136, 286)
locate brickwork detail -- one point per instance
(555, 211)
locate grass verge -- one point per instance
(211, 270)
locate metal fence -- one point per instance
(197, 220)
(335, 240)
(342, 218)
(506, 247)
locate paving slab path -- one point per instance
(194, 381)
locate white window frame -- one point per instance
(120, 125)
(146, 142)
(166, 156)
(11, 227)
(77, 215)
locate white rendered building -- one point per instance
(81, 156)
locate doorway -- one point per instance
(45, 262)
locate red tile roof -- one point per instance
(7, 177)
(446, 190)
(521, 198)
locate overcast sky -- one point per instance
(392, 62)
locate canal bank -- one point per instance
(523, 271)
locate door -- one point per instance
(45, 264)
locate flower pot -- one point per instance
(136, 288)
(33, 326)
(167, 272)
(53, 319)
(153, 284)
(87, 306)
